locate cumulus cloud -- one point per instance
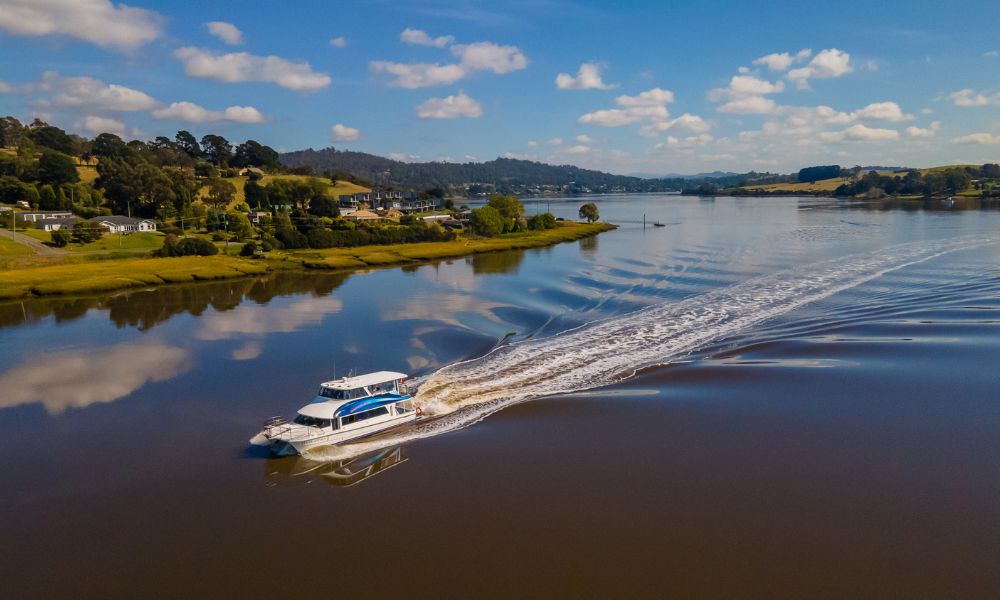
(193, 113)
(827, 64)
(745, 95)
(87, 92)
(338, 42)
(227, 32)
(686, 122)
(978, 138)
(578, 149)
(970, 97)
(687, 144)
(588, 77)
(882, 111)
(556, 141)
(585, 139)
(480, 56)
(918, 132)
(99, 22)
(420, 38)
(97, 125)
(650, 105)
(860, 133)
(451, 107)
(242, 67)
(343, 133)
(781, 61)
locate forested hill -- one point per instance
(501, 175)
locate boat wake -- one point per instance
(604, 352)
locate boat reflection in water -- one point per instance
(339, 473)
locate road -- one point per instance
(32, 243)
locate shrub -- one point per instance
(191, 246)
(542, 221)
(61, 237)
(85, 232)
(486, 221)
(249, 249)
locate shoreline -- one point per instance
(119, 274)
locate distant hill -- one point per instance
(505, 175)
(711, 175)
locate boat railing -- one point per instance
(278, 426)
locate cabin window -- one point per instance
(362, 416)
(312, 421)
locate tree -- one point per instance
(188, 143)
(510, 209)
(172, 246)
(542, 221)
(61, 237)
(324, 206)
(109, 145)
(253, 154)
(589, 211)
(51, 137)
(47, 198)
(216, 149)
(991, 171)
(87, 232)
(814, 174)
(56, 168)
(220, 192)
(486, 221)
(256, 194)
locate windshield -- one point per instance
(341, 394)
(312, 421)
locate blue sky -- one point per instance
(649, 87)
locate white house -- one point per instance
(256, 216)
(57, 224)
(41, 215)
(120, 224)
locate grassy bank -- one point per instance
(109, 275)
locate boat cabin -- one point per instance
(349, 401)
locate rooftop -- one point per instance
(350, 383)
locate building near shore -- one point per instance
(120, 224)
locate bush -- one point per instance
(85, 232)
(61, 237)
(172, 246)
(486, 221)
(249, 249)
(266, 246)
(219, 236)
(542, 221)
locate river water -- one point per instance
(780, 396)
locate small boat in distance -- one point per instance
(343, 410)
(658, 224)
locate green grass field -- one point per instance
(334, 191)
(9, 247)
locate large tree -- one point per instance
(56, 168)
(220, 192)
(216, 149)
(253, 154)
(589, 211)
(109, 145)
(188, 143)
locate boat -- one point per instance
(658, 224)
(343, 410)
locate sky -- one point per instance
(626, 87)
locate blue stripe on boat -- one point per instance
(364, 404)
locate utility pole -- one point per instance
(225, 225)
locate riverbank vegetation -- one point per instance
(79, 275)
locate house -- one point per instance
(120, 224)
(256, 216)
(363, 215)
(56, 224)
(41, 215)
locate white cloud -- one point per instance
(556, 141)
(991, 54)
(825, 65)
(578, 149)
(4, 87)
(87, 92)
(481, 56)
(194, 113)
(419, 75)
(882, 111)
(687, 144)
(338, 42)
(343, 133)
(978, 138)
(686, 122)
(420, 38)
(532, 143)
(451, 107)
(650, 105)
(487, 56)
(98, 125)
(242, 66)
(588, 77)
(923, 133)
(227, 32)
(860, 133)
(585, 139)
(781, 61)
(96, 21)
(969, 97)
(746, 95)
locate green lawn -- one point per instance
(38, 234)
(334, 191)
(9, 247)
(112, 242)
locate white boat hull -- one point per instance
(300, 440)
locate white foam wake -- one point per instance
(603, 352)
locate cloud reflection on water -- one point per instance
(85, 376)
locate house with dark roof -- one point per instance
(41, 215)
(67, 223)
(121, 224)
